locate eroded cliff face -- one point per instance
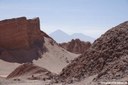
(19, 33)
(21, 39)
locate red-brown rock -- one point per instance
(31, 71)
(19, 33)
(76, 46)
(22, 39)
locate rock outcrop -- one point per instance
(21, 38)
(107, 57)
(76, 46)
(31, 71)
(19, 33)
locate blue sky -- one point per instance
(90, 17)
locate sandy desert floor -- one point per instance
(53, 60)
(87, 81)
(6, 68)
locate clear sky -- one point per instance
(91, 17)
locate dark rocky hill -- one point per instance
(107, 57)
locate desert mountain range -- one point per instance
(67, 38)
(28, 56)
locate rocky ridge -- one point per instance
(31, 71)
(76, 46)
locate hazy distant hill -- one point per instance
(61, 36)
(82, 37)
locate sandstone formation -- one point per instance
(31, 71)
(19, 33)
(107, 57)
(21, 38)
(76, 46)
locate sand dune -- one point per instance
(56, 58)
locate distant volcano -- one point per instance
(61, 36)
